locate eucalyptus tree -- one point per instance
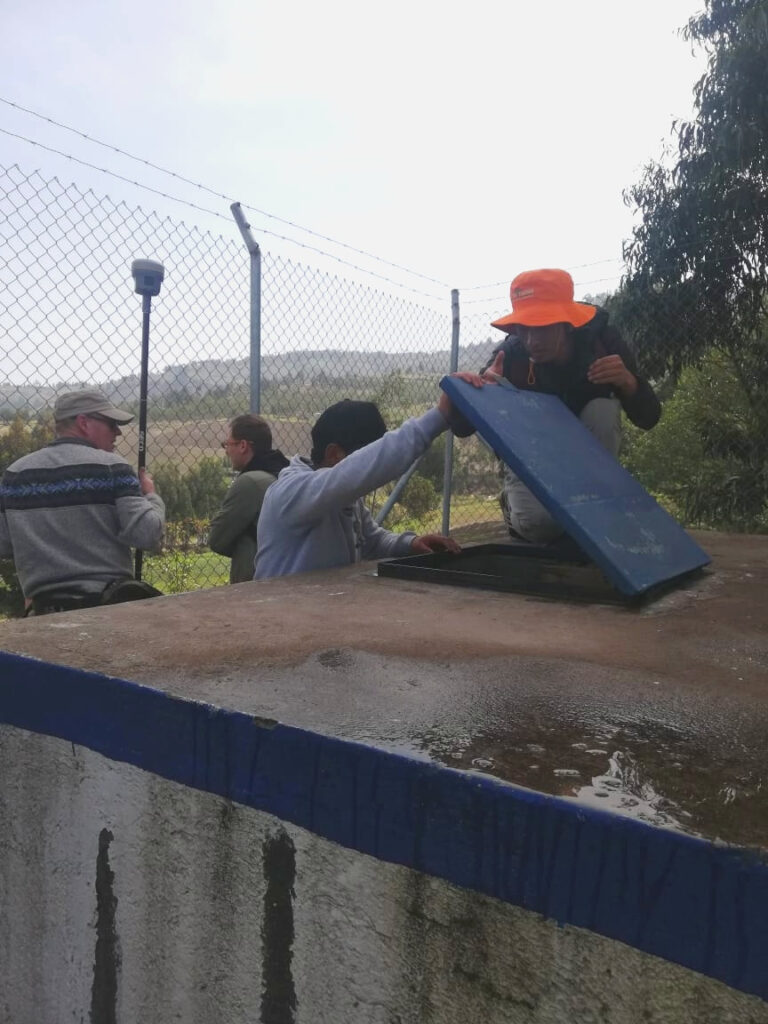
(698, 257)
(696, 288)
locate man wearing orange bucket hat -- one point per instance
(565, 348)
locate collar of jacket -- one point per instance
(70, 440)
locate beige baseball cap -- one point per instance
(85, 403)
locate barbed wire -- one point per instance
(114, 174)
(595, 280)
(218, 195)
(263, 213)
(691, 250)
(490, 300)
(221, 216)
(505, 283)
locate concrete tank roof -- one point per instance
(658, 712)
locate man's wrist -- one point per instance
(629, 388)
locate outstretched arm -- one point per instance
(309, 496)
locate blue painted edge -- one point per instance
(696, 903)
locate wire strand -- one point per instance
(114, 174)
(218, 195)
(220, 216)
(579, 266)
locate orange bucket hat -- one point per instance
(541, 297)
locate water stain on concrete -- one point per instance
(335, 658)
(647, 770)
(278, 993)
(106, 962)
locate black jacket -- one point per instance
(569, 380)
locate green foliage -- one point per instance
(195, 494)
(176, 570)
(179, 571)
(207, 482)
(186, 535)
(419, 496)
(391, 396)
(695, 294)
(473, 465)
(11, 598)
(172, 486)
(23, 436)
(432, 465)
(698, 258)
(707, 460)
(172, 572)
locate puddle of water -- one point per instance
(644, 770)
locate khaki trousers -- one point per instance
(524, 514)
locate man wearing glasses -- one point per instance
(71, 512)
(233, 528)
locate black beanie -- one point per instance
(349, 424)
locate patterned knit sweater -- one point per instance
(69, 515)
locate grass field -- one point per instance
(174, 573)
(179, 571)
(473, 520)
(185, 442)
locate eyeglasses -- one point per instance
(112, 424)
(229, 443)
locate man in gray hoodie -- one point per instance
(313, 517)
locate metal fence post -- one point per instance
(454, 365)
(397, 490)
(254, 253)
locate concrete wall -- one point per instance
(126, 897)
(163, 859)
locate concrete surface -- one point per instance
(128, 898)
(266, 827)
(661, 712)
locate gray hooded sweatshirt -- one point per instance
(315, 518)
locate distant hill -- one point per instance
(211, 375)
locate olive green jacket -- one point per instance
(233, 528)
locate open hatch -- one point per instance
(619, 544)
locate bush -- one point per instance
(419, 496)
(707, 458)
(196, 494)
(23, 437)
(207, 482)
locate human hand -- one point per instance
(429, 542)
(471, 378)
(611, 371)
(146, 482)
(495, 371)
(459, 424)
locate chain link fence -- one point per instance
(69, 318)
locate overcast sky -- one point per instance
(467, 141)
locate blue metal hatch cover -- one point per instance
(598, 503)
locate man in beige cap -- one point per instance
(71, 512)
